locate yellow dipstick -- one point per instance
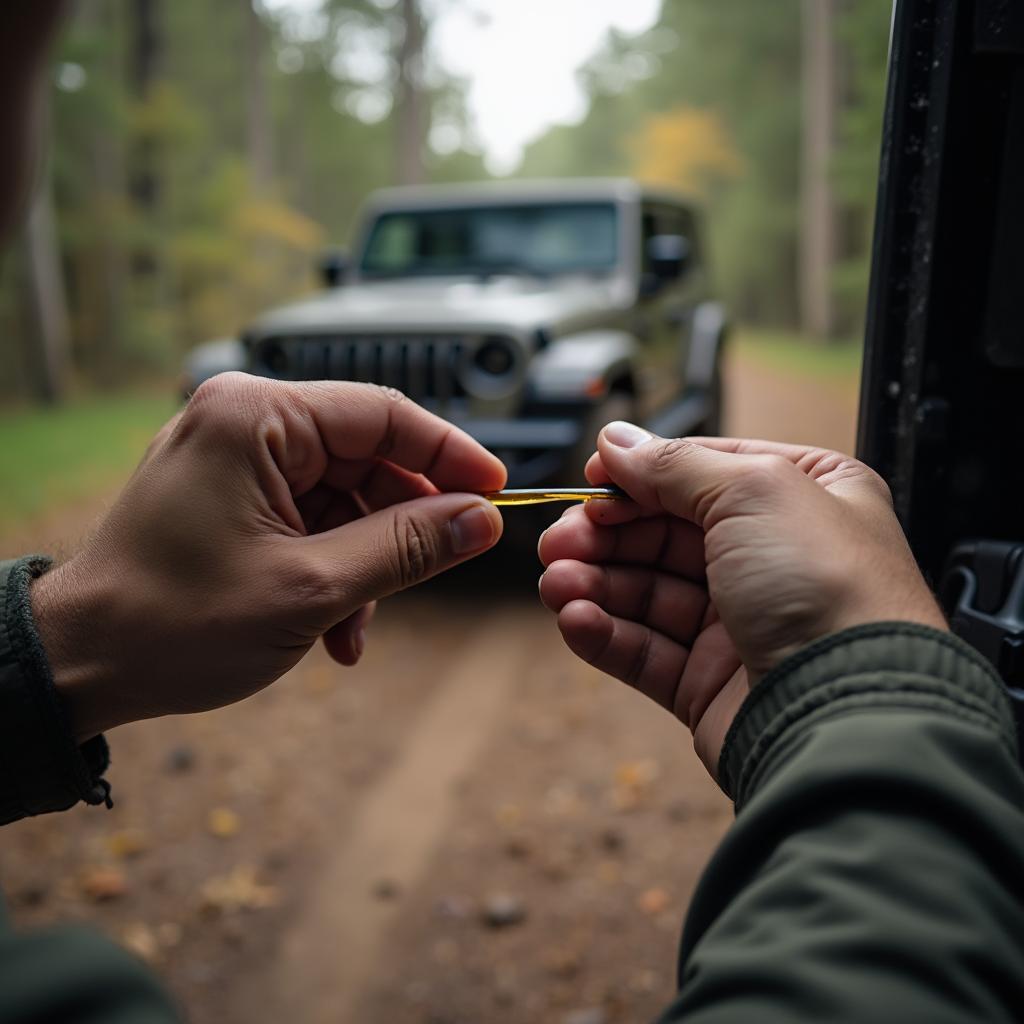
(540, 495)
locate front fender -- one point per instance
(581, 365)
(209, 359)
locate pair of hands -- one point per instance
(267, 515)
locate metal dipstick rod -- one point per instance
(540, 495)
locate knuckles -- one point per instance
(667, 456)
(766, 473)
(416, 549)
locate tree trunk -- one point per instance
(144, 63)
(409, 97)
(46, 297)
(258, 125)
(818, 220)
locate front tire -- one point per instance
(618, 405)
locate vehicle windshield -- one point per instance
(533, 239)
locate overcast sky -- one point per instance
(520, 57)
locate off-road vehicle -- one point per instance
(529, 313)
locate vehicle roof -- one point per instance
(524, 190)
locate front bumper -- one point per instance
(534, 450)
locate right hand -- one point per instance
(731, 556)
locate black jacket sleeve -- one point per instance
(875, 871)
(42, 768)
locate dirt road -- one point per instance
(471, 827)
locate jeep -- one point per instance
(528, 313)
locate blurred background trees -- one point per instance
(202, 156)
(771, 113)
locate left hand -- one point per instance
(264, 516)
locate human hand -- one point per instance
(263, 516)
(731, 556)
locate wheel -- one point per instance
(524, 526)
(615, 406)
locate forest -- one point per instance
(200, 158)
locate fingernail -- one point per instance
(359, 642)
(626, 435)
(471, 530)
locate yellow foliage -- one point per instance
(165, 117)
(273, 221)
(685, 148)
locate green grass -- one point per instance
(796, 354)
(55, 457)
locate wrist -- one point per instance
(66, 619)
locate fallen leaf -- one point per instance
(653, 901)
(223, 822)
(238, 890)
(102, 882)
(633, 783)
(509, 815)
(128, 843)
(142, 941)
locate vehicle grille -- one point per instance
(421, 366)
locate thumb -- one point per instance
(672, 475)
(404, 544)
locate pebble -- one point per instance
(612, 839)
(181, 759)
(386, 889)
(503, 911)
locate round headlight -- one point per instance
(494, 357)
(492, 369)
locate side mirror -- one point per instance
(333, 267)
(668, 256)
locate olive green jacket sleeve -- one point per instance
(875, 871)
(71, 975)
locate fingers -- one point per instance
(665, 602)
(396, 547)
(676, 475)
(363, 421)
(346, 641)
(301, 427)
(665, 542)
(629, 651)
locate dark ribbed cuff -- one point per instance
(881, 664)
(43, 768)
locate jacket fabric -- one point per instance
(42, 768)
(875, 871)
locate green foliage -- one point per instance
(799, 356)
(738, 62)
(864, 32)
(218, 240)
(50, 458)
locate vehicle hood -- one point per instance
(447, 303)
